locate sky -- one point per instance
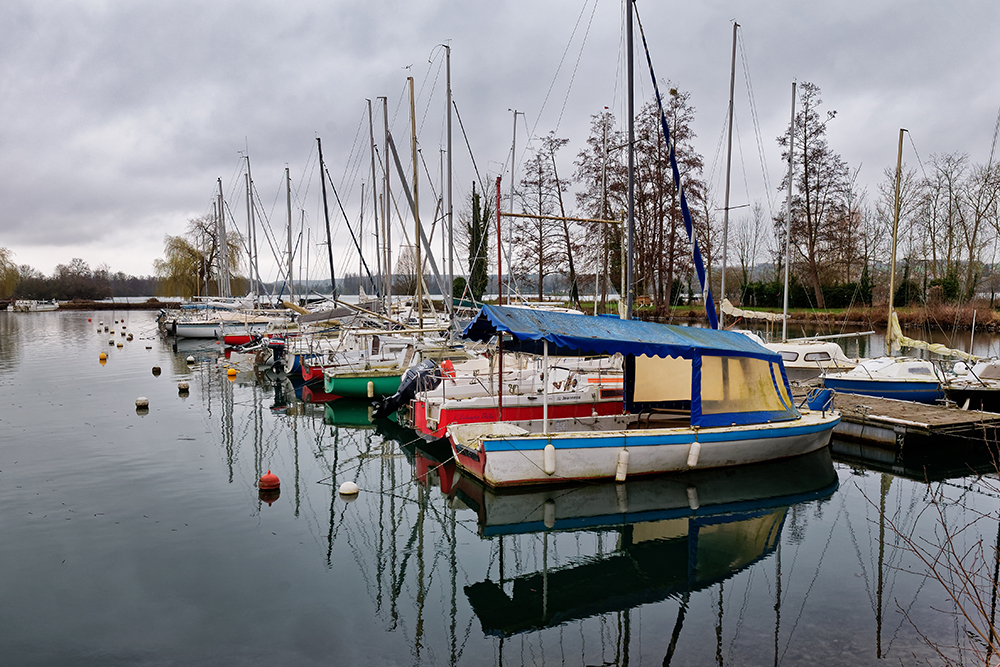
(118, 117)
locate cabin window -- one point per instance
(659, 379)
(919, 370)
(817, 356)
(738, 384)
(788, 356)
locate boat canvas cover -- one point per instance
(717, 395)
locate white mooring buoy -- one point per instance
(348, 489)
(190, 360)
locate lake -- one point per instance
(142, 539)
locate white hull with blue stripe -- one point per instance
(506, 454)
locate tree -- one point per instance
(9, 275)
(821, 181)
(601, 172)
(479, 245)
(537, 249)
(190, 265)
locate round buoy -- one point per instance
(105, 328)
(156, 371)
(103, 356)
(268, 481)
(231, 372)
(149, 347)
(112, 332)
(190, 360)
(123, 326)
(123, 319)
(142, 402)
(88, 319)
(111, 342)
(182, 388)
(101, 323)
(120, 345)
(348, 489)
(129, 337)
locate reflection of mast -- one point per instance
(886, 482)
(421, 590)
(777, 604)
(993, 639)
(678, 624)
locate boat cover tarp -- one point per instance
(570, 334)
(768, 399)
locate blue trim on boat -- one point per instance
(616, 520)
(538, 442)
(921, 392)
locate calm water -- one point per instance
(141, 539)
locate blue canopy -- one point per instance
(570, 334)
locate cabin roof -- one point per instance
(572, 334)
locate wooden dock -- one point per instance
(892, 422)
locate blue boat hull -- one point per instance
(920, 392)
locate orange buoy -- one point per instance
(268, 481)
(88, 319)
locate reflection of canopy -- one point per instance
(677, 534)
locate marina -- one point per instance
(142, 537)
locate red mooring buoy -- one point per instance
(268, 481)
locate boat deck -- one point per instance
(890, 421)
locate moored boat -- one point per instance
(693, 398)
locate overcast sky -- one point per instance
(117, 117)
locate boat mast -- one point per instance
(386, 207)
(729, 164)
(895, 230)
(288, 198)
(416, 209)
(326, 215)
(788, 217)
(371, 141)
(450, 208)
(510, 228)
(224, 289)
(629, 288)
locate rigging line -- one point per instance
(914, 147)
(555, 76)
(576, 66)
(475, 168)
(805, 597)
(430, 95)
(755, 118)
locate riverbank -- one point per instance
(149, 304)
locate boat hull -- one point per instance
(920, 392)
(355, 384)
(197, 329)
(500, 456)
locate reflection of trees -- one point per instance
(10, 340)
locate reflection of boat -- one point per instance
(677, 534)
(347, 412)
(693, 398)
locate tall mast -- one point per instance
(224, 288)
(386, 207)
(246, 178)
(254, 270)
(326, 215)
(416, 207)
(629, 288)
(510, 228)
(449, 209)
(371, 141)
(788, 216)
(729, 163)
(895, 230)
(288, 201)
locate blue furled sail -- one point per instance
(699, 265)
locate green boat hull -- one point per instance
(355, 384)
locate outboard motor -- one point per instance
(422, 377)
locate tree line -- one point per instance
(75, 280)
(840, 237)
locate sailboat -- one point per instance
(906, 378)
